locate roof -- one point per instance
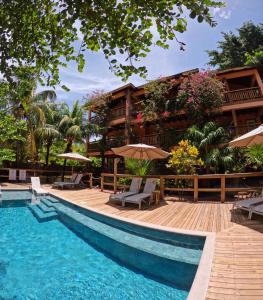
(218, 72)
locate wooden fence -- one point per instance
(195, 182)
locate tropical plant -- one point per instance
(139, 167)
(50, 33)
(185, 158)
(210, 140)
(236, 50)
(254, 155)
(200, 94)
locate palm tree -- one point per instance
(211, 140)
(71, 126)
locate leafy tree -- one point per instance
(11, 131)
(43, 34)
(210, 140)
(236, 50)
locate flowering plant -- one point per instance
(201, 93)
(185, 158)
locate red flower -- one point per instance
(141, 126)
(139, 116)
(166, 114)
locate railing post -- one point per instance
(90, 180)
(223, 188)
(161, 187)
(102, 182)
(196, 188)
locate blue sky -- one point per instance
(160, 62)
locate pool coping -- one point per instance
(199, 286)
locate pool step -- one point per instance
(45, 208)
(151, 256)
(41, 215)
(47, 202)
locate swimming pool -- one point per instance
(73, 253)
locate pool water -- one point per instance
(49, 261)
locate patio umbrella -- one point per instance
(254, 137)
(141, 151)
(72, 156)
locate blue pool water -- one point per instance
(49, 261)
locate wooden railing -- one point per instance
(47, 176)
(117, 113)
(243, 95)
(193, 183)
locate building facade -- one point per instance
(242, 111)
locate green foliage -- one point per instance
(138, 167)
(236, 50)
(211, 140)
(96, 162)
(48, 34)
(254, 155)
(11, 132)
(184, 159)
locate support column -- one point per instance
(128, 107)
(234, 116)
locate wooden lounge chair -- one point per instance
(73, 184)
(72, 179)
(36, 186)
(134, 189)
(256, 209)
(148, 190)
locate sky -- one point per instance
(160, 62)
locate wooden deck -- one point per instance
(237, 271)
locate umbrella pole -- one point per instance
(64, 168)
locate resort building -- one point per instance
(242, 111)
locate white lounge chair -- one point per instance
(72, 179)
(257, 209)
(12, 175)
(22, 175)
(149, 188)
(134, 189)
(74, 184)
(36, 186)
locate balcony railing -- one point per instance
(240, 130)
(243, 95)
(110, 143)
(117, 113)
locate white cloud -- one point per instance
(221, 13)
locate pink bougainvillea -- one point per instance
(201, 93)
(166, 114)
(139, 116)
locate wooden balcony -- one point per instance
(243, 95)
(96, 146)
(117, 113)
(240, 130)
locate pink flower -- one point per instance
(190, 100)
(139, 116)
(141, 126)
(166, 114)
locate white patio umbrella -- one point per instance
(72, 156)
(253, 137)
(141, 151)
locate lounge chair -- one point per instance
(36, 186)
(134, 189)
(72, 179)
(22, 175)
(249, 203)
(149, 188)
(257, 209)
(12, 175)
(74, 184)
